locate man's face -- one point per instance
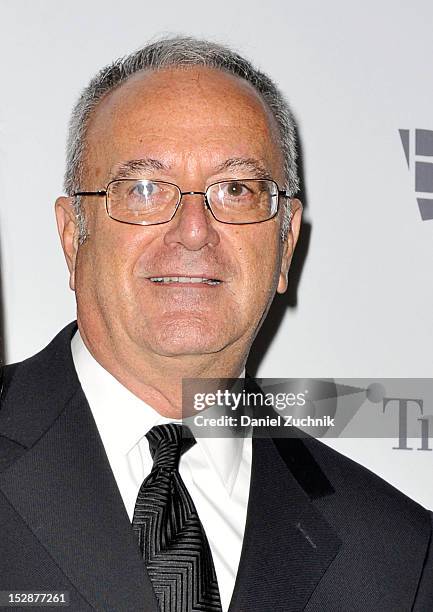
(198, 126)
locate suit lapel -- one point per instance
(288, 545)
(62, 485)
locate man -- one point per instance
(178, 229)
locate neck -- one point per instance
(157, 379)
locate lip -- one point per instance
(198, 281)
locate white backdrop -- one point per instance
(355, 75)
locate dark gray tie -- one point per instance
(171, 537)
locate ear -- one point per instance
(290, 243)
(68, 232)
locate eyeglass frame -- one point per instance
(104, 193)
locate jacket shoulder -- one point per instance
(386, 535)
(38, 366)
(34, 392)
(370, 501)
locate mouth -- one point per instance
(185, 280)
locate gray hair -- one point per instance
(176, 52)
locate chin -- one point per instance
(188, 338)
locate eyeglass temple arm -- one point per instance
(101, 192)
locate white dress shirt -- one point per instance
(216, 471)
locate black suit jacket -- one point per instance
(322, 534)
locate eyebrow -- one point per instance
(131, 167)
(248, 164)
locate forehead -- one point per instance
(183, 113)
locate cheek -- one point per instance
(260, 260)
(106, 255)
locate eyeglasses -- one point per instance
(147, 202)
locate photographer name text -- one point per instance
(244, 420)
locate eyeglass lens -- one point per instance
(147, 202)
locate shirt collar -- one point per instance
(123, 419)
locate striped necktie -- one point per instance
(171, 537)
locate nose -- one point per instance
(193, 225)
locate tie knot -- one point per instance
(167, 443)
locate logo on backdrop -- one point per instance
(418, 150)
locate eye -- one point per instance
(236, 192)
(144, 189)
(235, 189)
(144, 196)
